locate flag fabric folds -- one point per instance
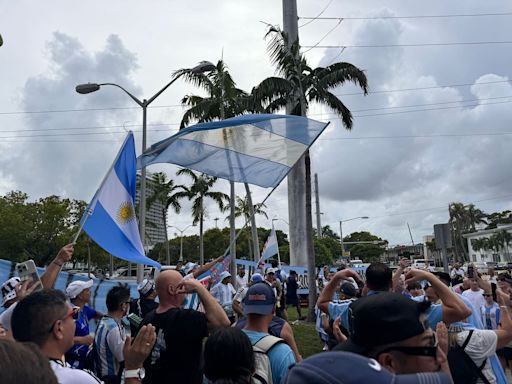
(270, 248)
(110, 217)
(255, 149)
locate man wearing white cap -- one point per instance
(146, 302)
(79, 292)
(223, 292)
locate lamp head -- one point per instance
(87, 88)
(204, 66)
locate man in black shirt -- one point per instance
(176, 356)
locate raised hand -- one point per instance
(136, 353)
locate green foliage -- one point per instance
(366, 252)
(37, 230)
(323, 255)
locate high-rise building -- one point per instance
(155, 225)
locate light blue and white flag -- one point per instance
(270, 248)
(110, 217)
(254, 149)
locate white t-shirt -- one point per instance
(240, 294)
(476, 298)
(241, 281)
(223, 293)
(67, 375)
(5, 317)
(481, 346)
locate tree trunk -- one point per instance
(168, 253)
(254, 229)
(232, 229)
(312, 297)
(201, 245)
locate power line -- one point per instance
(445, 207)
(327, 34)
(317, 16)
(317, 114)
(424, 88)
(409, 45)
(408, 17)
(474, 134)
(178, 106)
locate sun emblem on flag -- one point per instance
(125, 213)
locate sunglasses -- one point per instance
(429, 351)
(74, 313)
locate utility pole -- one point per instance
(318, 213)
(302, 251)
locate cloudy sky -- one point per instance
(433, 130)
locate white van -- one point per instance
(420, 263)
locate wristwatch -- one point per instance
(135, 373)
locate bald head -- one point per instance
(166, 287)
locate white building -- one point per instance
(490, 255)
(155, 226)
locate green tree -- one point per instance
(323, 254)
(496, 218)
(366, 252)
(328, 232)
(165, 192)
(297, 86)
(198, 192)
(463, 219)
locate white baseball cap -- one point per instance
(76, 287)
(271, 270)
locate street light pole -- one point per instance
(181, 237)
(341, 230)
(203, 66)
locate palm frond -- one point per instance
(339, 73)
(200, 80)
(337, 106)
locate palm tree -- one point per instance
(297, 86)
(504, 238)
(464, 219)
(165, 192)
(198, 191)
(243, 209)
(224, 100)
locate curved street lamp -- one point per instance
(203, 66)
(181, 237)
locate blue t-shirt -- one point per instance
(76, 355)
(280, 356)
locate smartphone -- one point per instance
(471, 271)
(27, 270)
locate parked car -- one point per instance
(122, 273)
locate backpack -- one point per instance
(263, 371)
(462, 367)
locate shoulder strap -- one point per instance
(266, 343)
(464, 345)
(471, 363)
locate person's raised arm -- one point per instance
(205, 267)
(404, 263)
(49, 276)
(453, 307)
(505, 332)
(214, 313)
(327, 293)
(485, 285)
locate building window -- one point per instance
(473, 258)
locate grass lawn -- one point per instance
(306, 336)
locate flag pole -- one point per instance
(278, 255)
(89, 210)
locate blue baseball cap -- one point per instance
(260, 299)
(349, 368)
(256, 278)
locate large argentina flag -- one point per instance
(254, 149)
(110, 217)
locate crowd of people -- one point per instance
(402, 326)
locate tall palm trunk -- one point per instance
(232, 229)
(254, 229)
(201, 245)
(164, 220)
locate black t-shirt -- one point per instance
(177, 354)
(291, 288)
